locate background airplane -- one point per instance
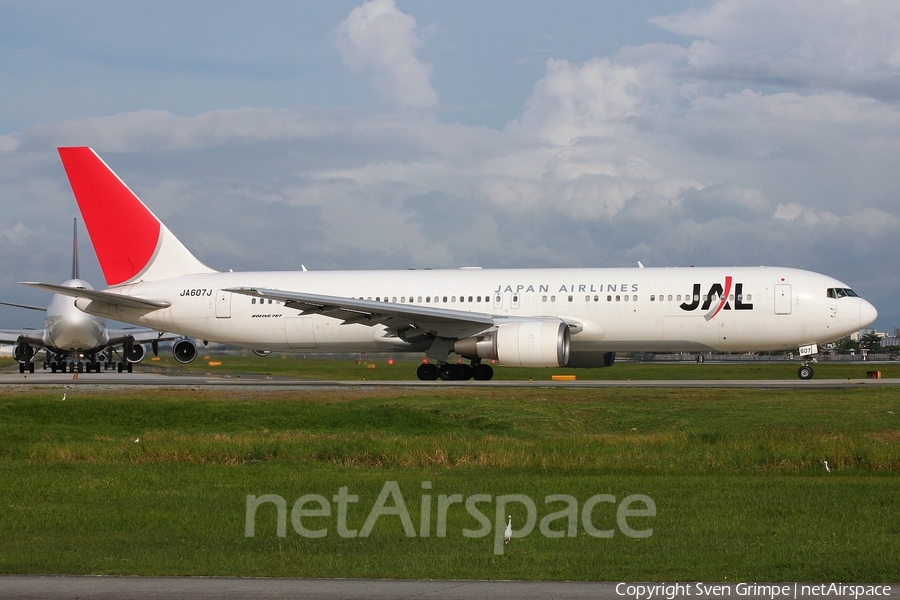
(519, 317)
(76, 341)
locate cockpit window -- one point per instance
(841, 293)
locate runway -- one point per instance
(245, 380)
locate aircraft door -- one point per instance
(223, 304)
(783, 299)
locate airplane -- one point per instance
(572, 317)
(74, 340)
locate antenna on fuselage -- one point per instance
(75, 248)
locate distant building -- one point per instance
(893, 340)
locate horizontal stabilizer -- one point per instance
(99, 296)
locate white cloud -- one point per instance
(378, 36)
(844, 45)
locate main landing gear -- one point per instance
(455, 371)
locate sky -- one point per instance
(408, 134)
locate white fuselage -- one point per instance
(624, 309)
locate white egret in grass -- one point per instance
(827, 468)
(64, 397)
(138, 439)
(507, 535)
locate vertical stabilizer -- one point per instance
(132, 245)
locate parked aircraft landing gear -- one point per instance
(454, 372)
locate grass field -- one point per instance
(736, 476)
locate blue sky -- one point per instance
(393, 134)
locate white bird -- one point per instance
(137, 440)
(507, 535)
(827, 468)
(64, 397)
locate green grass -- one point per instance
(736, 475)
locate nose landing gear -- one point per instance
(807, 357)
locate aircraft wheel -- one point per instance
(446, 372)
(130, 367)
(482, 372)
(21, 367)
(96, 367)
(120, 367)
(53, 367)
(805, 372)
(62, 367)
(463, 372)
(31, 367)
(427, 372)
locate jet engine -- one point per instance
(538, 343)
(135, 354)
(262, 352)
(184, 350)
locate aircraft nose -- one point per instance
(867, 314)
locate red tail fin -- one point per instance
(127, 237)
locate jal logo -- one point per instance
(717, 299)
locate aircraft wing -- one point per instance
(440, 322)
(139, 335)
(100, 296)
(32, 337)
(28, 306)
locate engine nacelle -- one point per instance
(23, 353)
(135, 354)
(262, 352)
(542, 343)
(184, 350)
(590, 359)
